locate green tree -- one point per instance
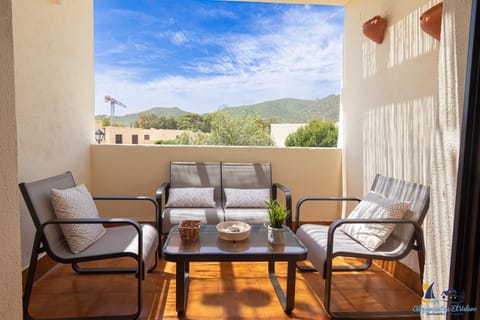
(106, 122)
(190, 121)
(250, 130)
(317, 133)
(147, 120)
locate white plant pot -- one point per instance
(276, 235)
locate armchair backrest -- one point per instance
(37, 199)
(417, 194)
(197, 174)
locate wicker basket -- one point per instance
(189, 229)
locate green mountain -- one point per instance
(291, 110)
(159, 111)
(288, 110)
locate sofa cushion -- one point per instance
(375, 206)
(191, 198)
(173, 216)
(74, 203)
(248, 215)
(246, 198)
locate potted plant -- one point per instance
(277, 215)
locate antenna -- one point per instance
(113, 102)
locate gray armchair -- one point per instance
(119, 240)
(324, 243)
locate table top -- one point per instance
(210, 247)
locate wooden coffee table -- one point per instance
(210, 247)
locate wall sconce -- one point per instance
(431, 21)
(99, 136)
(374, 29)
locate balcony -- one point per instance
(402, 104)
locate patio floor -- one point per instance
(238, 290)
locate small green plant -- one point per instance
(276, 213)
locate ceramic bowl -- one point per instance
(233, 230)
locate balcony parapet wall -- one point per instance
(140, 169)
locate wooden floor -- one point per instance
(239, 290)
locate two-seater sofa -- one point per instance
(214, 192)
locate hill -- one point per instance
(291, 110)
(159, 111)
(288, 110)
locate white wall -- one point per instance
(10, 276)
(401, 101)
(54, 93)
(389, 97)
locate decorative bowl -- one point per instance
(233, 230)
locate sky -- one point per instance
(201, 55)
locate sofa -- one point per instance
(213, 192)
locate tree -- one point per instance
(147, 120)
(106, 122)
(317, 133)
(250, 130)
(190, 121)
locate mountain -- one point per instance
(287, 110)
(290, 110)
(159, 111)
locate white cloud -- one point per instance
(178, 38)
(298, 56)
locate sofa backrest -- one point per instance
(246, 175)
(197, 174)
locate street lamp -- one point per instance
(99, 136)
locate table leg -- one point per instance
(182, 281)
(288, 301)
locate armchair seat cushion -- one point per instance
(125, 240)
(314, 237)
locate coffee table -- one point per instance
(210, 247)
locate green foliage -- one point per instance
(183, 139)
(106, 122)
(146, 120)
(276, 213)
(317, 133)
(240, 131)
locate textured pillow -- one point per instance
(190, 198)
(375, 206)
(77, 203)
(246, 198)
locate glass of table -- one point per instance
(209, 247)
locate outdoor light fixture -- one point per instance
(374, 29)
(431, 21)
(99, 136)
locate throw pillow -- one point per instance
(246, 198)
(77, 202)
(191, 198)
(375, 206)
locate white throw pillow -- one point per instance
(246, 198)
(190, 198)
(77, 203)
(375, 206)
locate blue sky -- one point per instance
(201, 54)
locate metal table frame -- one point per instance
(255, 248)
